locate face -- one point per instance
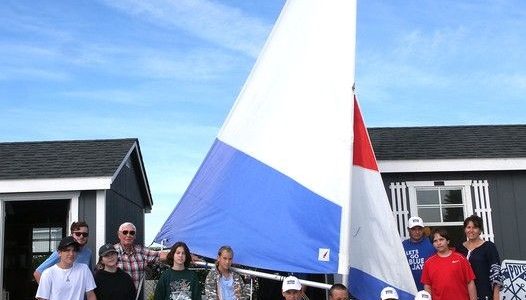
(81, 235)
(440, 243)
(292, 295)
(225, 260)
(472, 232)
(339, 295)
(179, 256)
(127, 235)
(110, 259)
(68, 255)
(416, 233)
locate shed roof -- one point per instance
(62, 159)
(449, 142)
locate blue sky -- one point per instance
(167, 72)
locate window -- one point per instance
(442, 204)
(46, 239)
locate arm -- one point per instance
(472, 290)
(496, 292)
(50, 261)
(427, 287)
(37, 275)
(91, 295)
(210, 285)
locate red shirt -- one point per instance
(448, 276)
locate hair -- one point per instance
(221, 250)
(125, 224)
(442, 232)
(170, 256)
(476, 220)
(99, 265)
(337, 286)
(76, 225)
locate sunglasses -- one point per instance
(84, 234)
(130, 232)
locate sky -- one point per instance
(168, 71)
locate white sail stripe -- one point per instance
(373, 227)
(287, 115)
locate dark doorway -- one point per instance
(31, 232)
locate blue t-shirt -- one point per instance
(83, 257)
(227, 288)
(416, 254)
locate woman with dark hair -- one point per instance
(484, 259)
(178, 283)
(447, 275)
(222, 283)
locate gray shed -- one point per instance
(45, 186)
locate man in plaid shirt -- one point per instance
(134, 258)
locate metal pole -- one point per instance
(268, 275)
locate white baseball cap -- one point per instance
(423, 295)
(291, 283)
(388, 293)
(415, 221)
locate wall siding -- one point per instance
(125, 202)
(507, 192)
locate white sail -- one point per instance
(277, 183)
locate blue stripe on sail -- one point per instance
(368, 287)
(237, 200)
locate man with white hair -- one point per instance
(134, 258)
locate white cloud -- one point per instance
(212, 21)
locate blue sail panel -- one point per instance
(239, 201)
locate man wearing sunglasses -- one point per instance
(80, 232)
(134, 258)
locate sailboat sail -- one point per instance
(276, 184)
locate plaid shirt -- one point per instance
(134, 262)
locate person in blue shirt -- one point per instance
(80, 232)
(417, 248)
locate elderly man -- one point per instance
(80, 232)
(134, 258)
(418, 249)
(67, 279)
(338, 291)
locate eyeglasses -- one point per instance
(130, 232)
(78, 233)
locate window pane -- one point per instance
(453, 214)
(56, 233)
(427, 197)
(429, 214)
(451, 196)
(40, 246)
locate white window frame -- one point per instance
(464, 185)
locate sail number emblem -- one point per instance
(324, 254)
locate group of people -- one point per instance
(469, 271)
(66, 273)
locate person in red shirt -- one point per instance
(447, 275)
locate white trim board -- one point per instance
(55, 184)
(451, 165)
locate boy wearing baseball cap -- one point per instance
(67, 279)
(291, 288)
